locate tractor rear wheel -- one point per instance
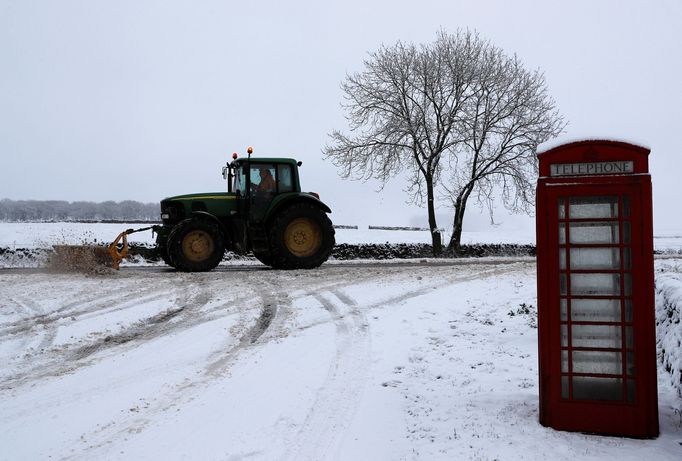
(196, 246)
(301, 237)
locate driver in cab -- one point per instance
(267, 182)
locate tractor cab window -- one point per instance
(239, 185)
(263, 179)
(285, 178)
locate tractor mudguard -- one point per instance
(284, 200)
(164, 231)
(206, 216)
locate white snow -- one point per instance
(566, 139)
(668, 316)
(347, 362)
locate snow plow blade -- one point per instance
(118, 249)
(117, 253)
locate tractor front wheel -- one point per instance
(196, 246)
(301, 237)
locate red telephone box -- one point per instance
(596, 326)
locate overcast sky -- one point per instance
(116, 100)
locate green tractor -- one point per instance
(263, 211)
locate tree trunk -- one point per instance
(456, 239)
(436, 242)
(460, 207)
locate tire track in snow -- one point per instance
(23, 340)
(326, 420)
(49, 332)
(268, 313)
(430, 287)
(57, 360)
(185, 391)
(275, 303)
(31, 310)
(336, 401)
(276, 309)
(85, 307)
(67, 359)
(271, 307)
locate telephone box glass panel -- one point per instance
(595, 288)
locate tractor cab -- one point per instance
(258, 182)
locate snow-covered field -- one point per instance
(423, 360)
(44, 235)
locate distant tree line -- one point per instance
(60, 210)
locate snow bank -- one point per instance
(16, 235)
(23, 257)
(146, 254)
(668, 326)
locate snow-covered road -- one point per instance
(349, 361)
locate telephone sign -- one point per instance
(579, 169)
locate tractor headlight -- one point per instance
(165, 216)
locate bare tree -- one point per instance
(422, 110)
(508, 115)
